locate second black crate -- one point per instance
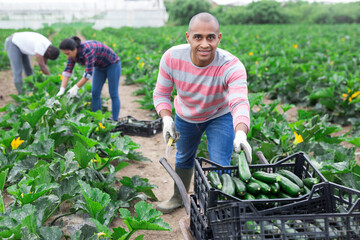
(131, 126)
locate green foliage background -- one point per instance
(266, 12)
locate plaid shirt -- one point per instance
(91, 54)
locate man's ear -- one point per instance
(219, 37)
(187, 37)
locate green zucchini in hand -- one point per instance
(244, 170)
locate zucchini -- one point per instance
(292, 176)
(275, 188)
(262, 196)
(266, 177)
(240, 186)
(244, 170)
(228, 185)
(283, 195)
(264, 187)
(214, 179)
(249, 196)
(253, 187)
(289, 186)
(310, 182)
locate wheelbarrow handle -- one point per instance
(178, 183)
(261, 157)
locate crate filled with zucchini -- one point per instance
(264, 185)
(330, 211)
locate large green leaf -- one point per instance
(34, 117)
(53, 233)
(147, 218)
(83, 155)
(88, 141)
(96, 201)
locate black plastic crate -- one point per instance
(131, 126)
(198, 223)
(208, 196)
(331, 212)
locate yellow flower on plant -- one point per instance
(93, 160)
(142, 64)
(332, 63)
(41, 72)
(343, 39)
(61, 76)
(295, 46)
(114, 45)
(101, 125)
(47, 94)
(251, 53)
(138, 58)
(298, 139)
(30, 94)
(15, 143)
(344, 96)
(94, 35)
(355, 94)
(256, 62)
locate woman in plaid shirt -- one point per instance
(100, 62)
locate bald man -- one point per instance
(212, 97)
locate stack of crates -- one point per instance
(329, 211)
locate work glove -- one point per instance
(61, 92)
(73, 91)
(169, 129)
(240, 143)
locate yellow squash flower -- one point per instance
(100, 234)
(138, 58)
(15, 143)
(295, 46)
(251, 53)
(298, 139)
(101, 125)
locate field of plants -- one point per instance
(55, 150)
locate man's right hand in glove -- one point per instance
(169, 129)
(61, 92)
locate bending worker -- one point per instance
(212, 97)
(19, 46)
(100, 62)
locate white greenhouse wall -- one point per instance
(16, 14)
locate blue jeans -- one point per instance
(220, 136)
(112, 73)
(18, 61)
